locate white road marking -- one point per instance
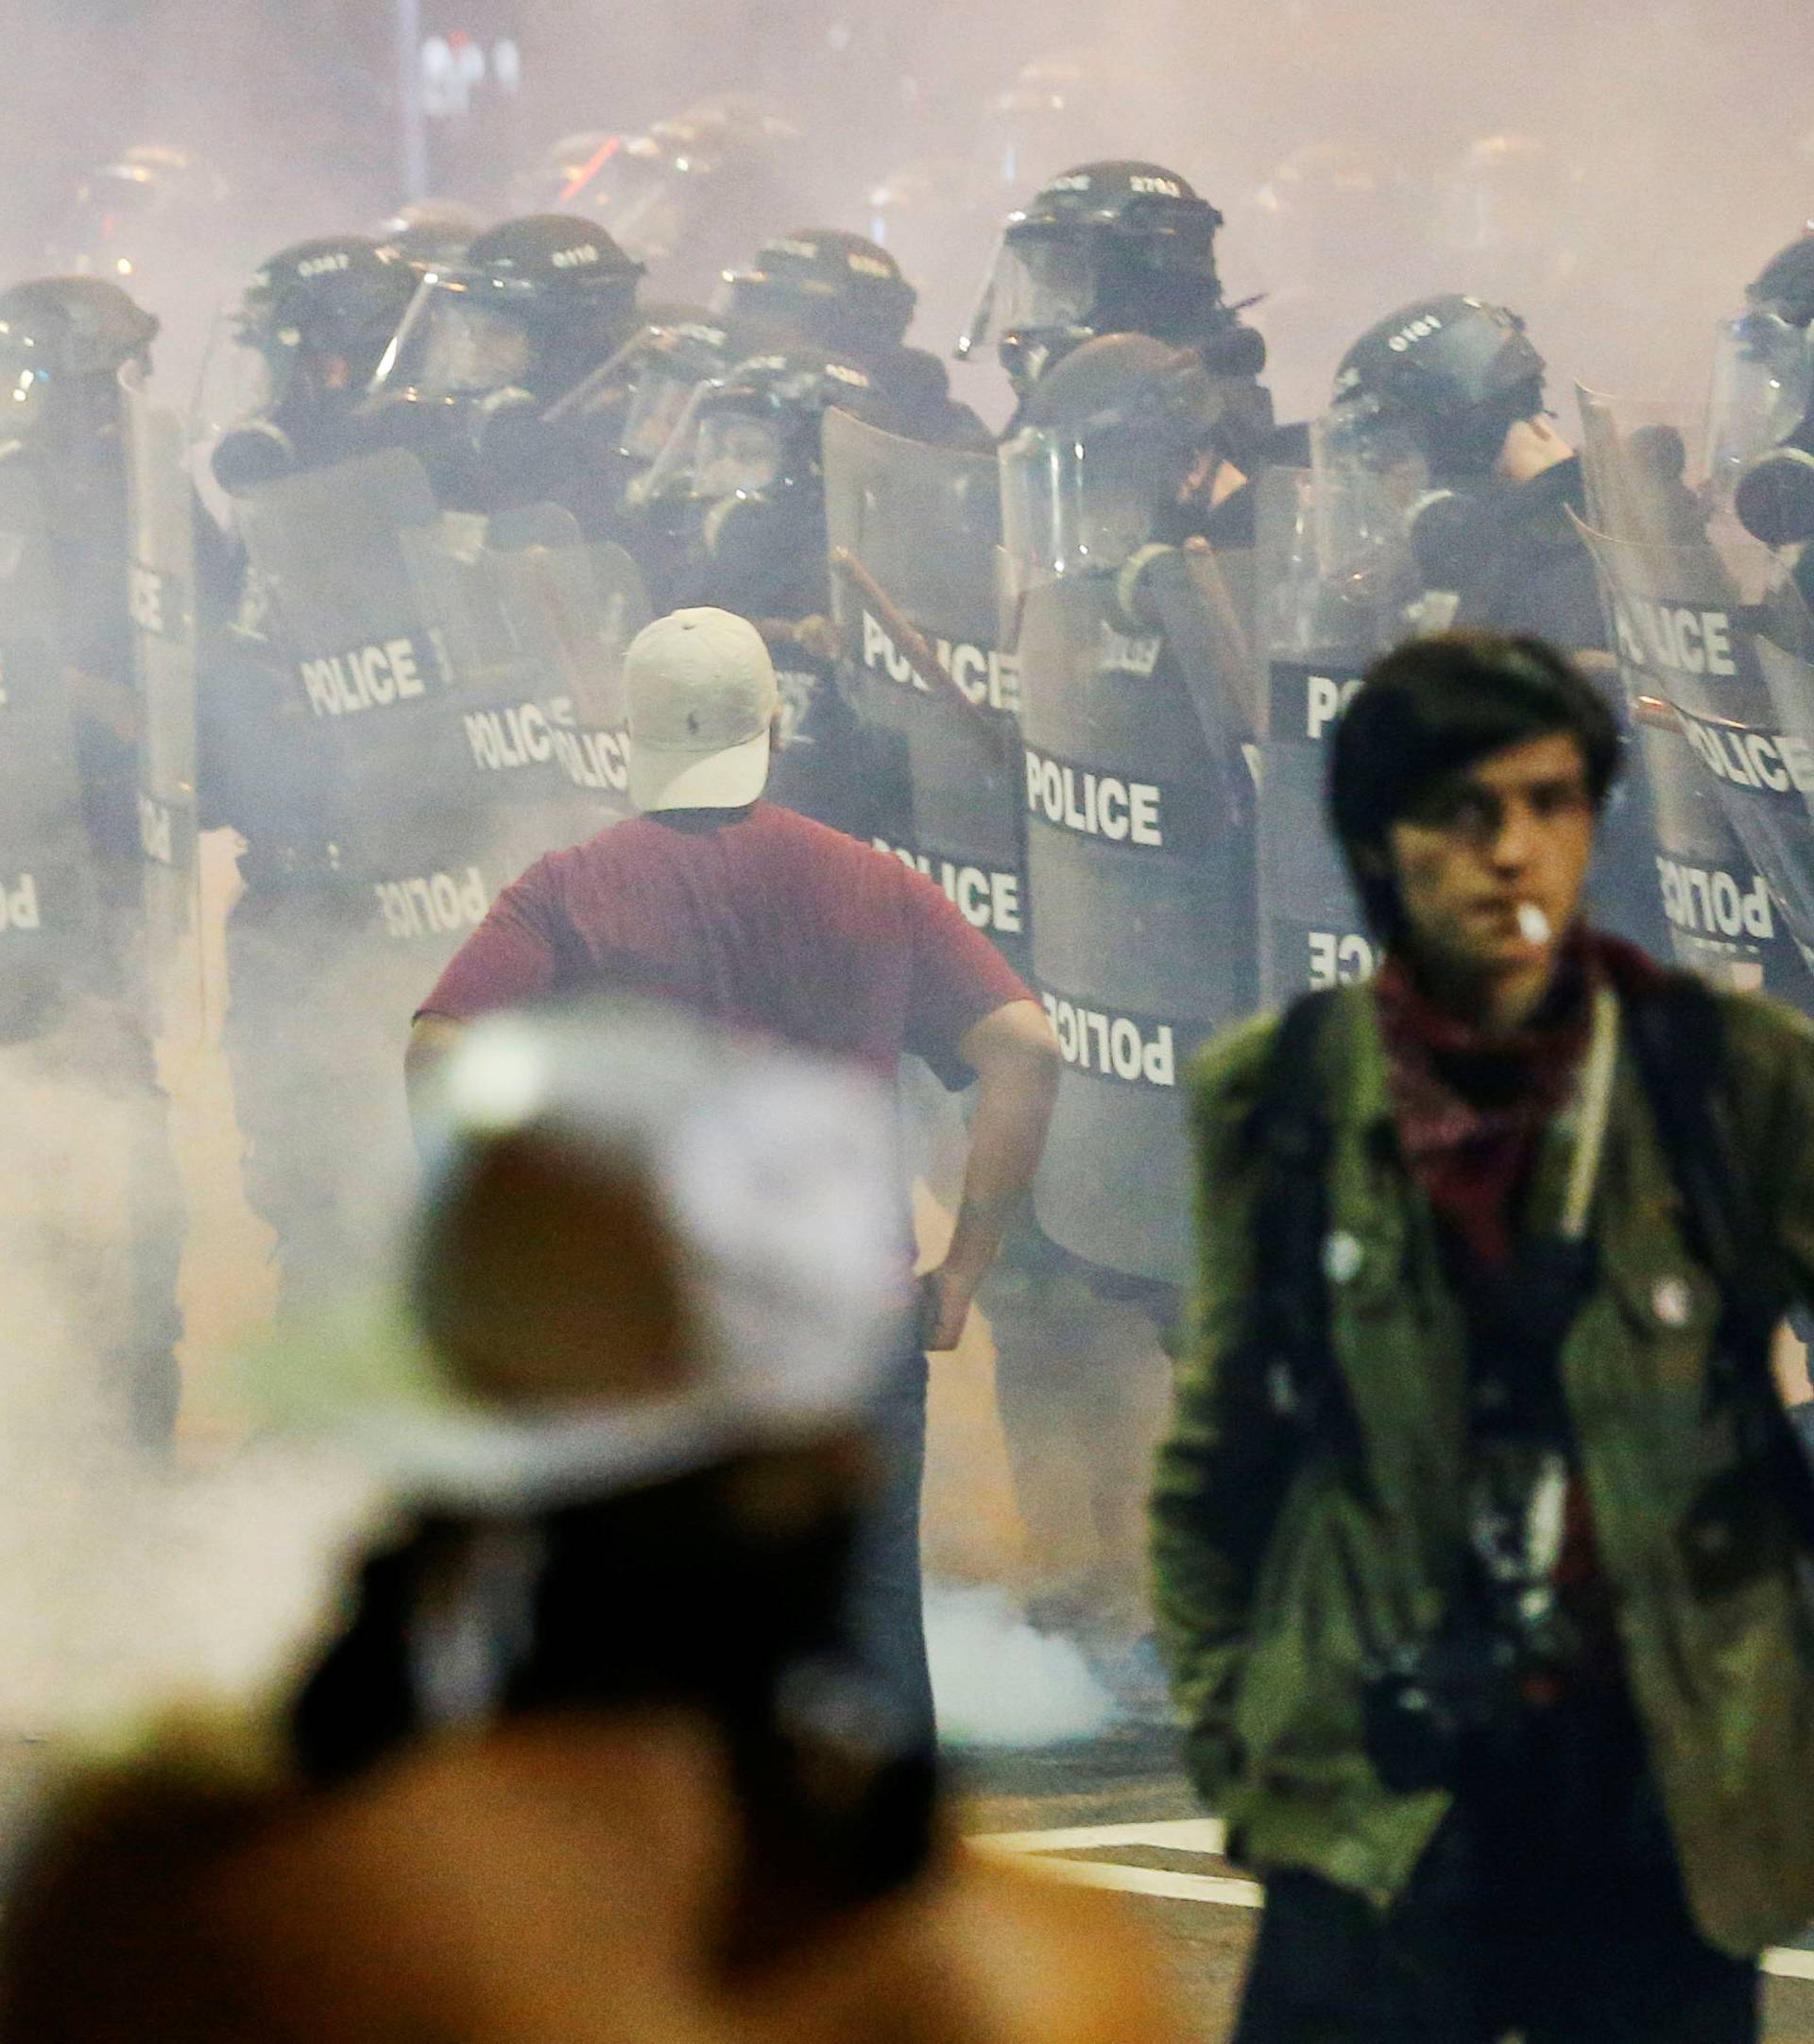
(1190, 1835)
(1223, 1889)
(1198, 1836)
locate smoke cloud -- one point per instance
(998, 1683)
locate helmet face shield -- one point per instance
(245, 373)
(656, 407)
(1043, 282)
(454, 344)
(737, 455)
(1763, 389)
(1073, 506)
(1371, 474)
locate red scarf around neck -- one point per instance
(1472, 1108)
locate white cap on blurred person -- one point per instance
(702, 698)
(724, 1271)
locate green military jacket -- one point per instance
(1268, 1633)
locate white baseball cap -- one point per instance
(774, 1176)
(702, 697)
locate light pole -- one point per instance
(412, 115)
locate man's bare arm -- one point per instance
(1015, 1056)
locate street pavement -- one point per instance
(1115, 1813)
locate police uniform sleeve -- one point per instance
(513, 957)
(1217, 1482)
(956, 977)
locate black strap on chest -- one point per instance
(1289, 1329)
(1677, 1040)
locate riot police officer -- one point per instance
(1453, 388)
(607, 436)
(1120, 246)
(690, 197)
(736, 511)
(162, 222)
(1139, 871)
(841, 291)
(76, 1013)
(1440, 409)
(1762, 428)
(310, 333)
(490, 344)
(312, 328)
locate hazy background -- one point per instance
(1652, 152)
(1615, 172)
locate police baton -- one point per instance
(1603, 670)
(911, 642)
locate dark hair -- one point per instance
(1428, 711)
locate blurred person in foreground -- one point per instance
(1479, 1534)
(735, 908)
(590, 1758)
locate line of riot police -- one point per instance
(1085, 679)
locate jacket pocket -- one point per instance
(1318, 1624)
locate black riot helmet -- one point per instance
(841, 290)
(431, 231)
(282, 385)
(559, 176)
(63, 341)
(1453, 373)
(1133, 386)
(643, 391)
(755, 434)
(1110, 248)
(321, 313)
(535, 305)
(694, 194)
(1761, 431)
(1785, 285)
(1114, 439)
(133, 216)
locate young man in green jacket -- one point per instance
(1480, 1533)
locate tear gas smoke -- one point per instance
(1614, 174)
(1000, 1683)
(122, 1583)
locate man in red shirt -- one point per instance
(735, 908)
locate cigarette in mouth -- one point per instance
(1533, 925)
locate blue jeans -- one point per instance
(1549, 1904)
(885, 1618)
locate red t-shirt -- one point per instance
(757, 918)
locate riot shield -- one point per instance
(404, 851)
(1141, 875)
(1325, 611)
(48, 901)
(162, 606)
(533, 624)
(1712, 643)
(913, 532)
